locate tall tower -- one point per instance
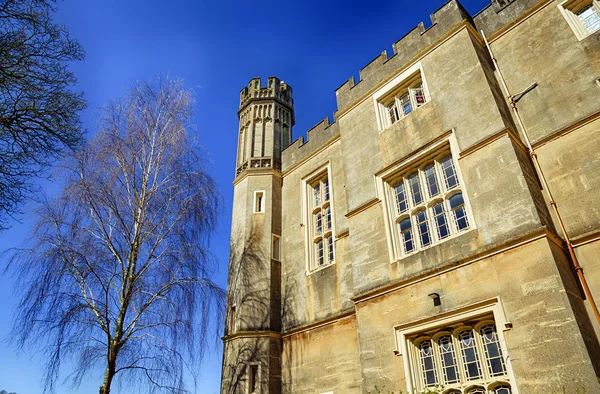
(252, 341)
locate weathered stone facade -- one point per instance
(370, 315)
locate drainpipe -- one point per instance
(538, 169)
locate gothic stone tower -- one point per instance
(252, 341)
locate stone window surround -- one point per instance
(276, 247)
(259, 194)
(414, 161)
(393, 84)
(572, 19)
(404, 347)
(307, 218)
(249, 367)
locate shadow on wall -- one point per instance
(257, 300)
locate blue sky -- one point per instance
(216, 47)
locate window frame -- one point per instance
(409, 335)
(276, 247)
(388, 180)
(391, 93)
(310, 211)
(570, 9)
(249, 367)
(258, 205)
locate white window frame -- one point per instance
(416, 163)
(393, 88)
(308, 211)
(569, 10)
(255, 204)
(407, 350)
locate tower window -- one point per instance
(319, 221)
(259, 201)
(275, 247)
(253, 378)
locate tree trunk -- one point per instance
(111, 368)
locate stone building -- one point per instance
(412, 244)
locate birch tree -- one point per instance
(119, 273)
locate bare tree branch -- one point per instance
(119, 272)
(39, 117)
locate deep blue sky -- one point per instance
(216, 47)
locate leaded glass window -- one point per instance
(405, 104)
(503, 389)
(428, 363)
(423, 227)
(407, 237)
(449, 172)
(431, 179)
(470, 357)
(392, 112)
(402, 100)
(440, 221)
(431, 198)
(401, 200)
(320, 254)
(459, 214)
(461, 359)
(448, 357)
(321, 230)
(493, 352)
(590, 18)
(415, 188)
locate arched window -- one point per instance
(428, 367)
(470, 356)
(502, 389)
(448, 357)
(407, 236)
(320, 219)
(432, 199)
(493, 352)
(476, 390)
(459, 214)
(462, 358)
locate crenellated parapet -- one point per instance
(320, 134)
(266, 118)
(494, 17)
(414, 42)
(274, 90)
(501, 13)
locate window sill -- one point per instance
(322, 268)
(592, 34)
(451, 237)
(403, 118)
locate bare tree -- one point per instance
(38, 108)
(119, 275)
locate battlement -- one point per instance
(443, 20)
(275, 89)
(495, 16)
(316, 137)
